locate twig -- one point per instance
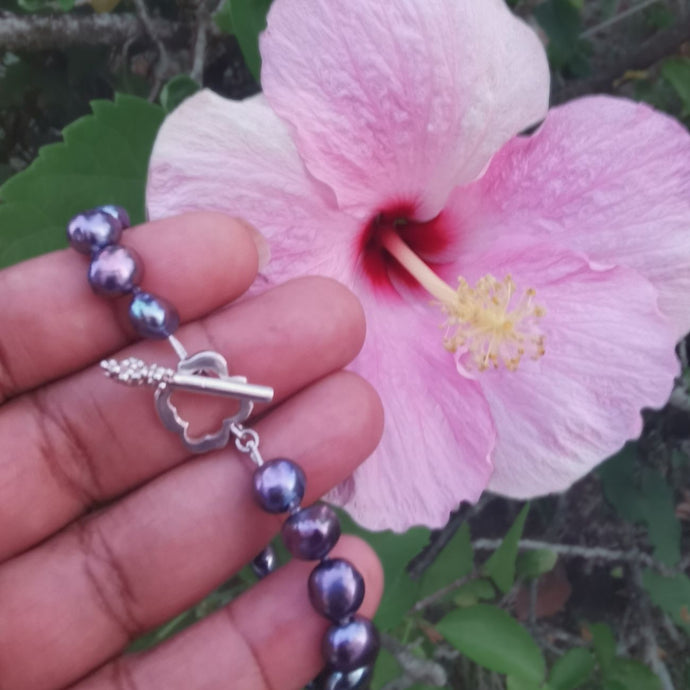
(163, 64)
(417, 669)
(433, 598)
(651, 646)
(594, 553)
(441, 538)
(203, 21)
(618, 18)
(32, 33)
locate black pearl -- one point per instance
(279, 485)
(115, 271)
(92, 230)
(351, 645)
(265, 563)
(118, 213)
(336, 589)
(311, 533)
(153, 317)
(337, 680)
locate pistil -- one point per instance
(488, 325)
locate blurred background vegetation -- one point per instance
(589, 589)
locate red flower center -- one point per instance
(429, 240)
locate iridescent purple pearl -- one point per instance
(351, 645)
(337, 680)
(153, 317)
(311, 533)
(336, 589)
(265, 563)
(92, 230)
(279, 485)
(118, 213)
(115, 271)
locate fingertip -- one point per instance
(204, 258)
(346, 320)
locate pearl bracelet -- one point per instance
(336, 588)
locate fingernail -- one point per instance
(262, 247)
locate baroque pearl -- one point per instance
(92, 230)
(115, 271)
(311, 533)
(279, 485)
(351, 645)
(153, 317)
(336, 589)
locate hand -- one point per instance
(107, 527)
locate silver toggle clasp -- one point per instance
(205, 372)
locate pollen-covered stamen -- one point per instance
(492, 324)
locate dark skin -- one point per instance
(108, 527)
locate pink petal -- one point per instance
(609, 353)
(401, 101)
(237, 158)
(605, 176)
(438, 431)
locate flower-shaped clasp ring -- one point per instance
(204, 372)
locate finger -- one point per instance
(79, 599)
(86, 439)
(268, 639)
(52, 323)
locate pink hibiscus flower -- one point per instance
(383, 153)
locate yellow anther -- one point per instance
(490, 324)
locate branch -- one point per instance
(417, 669)
(163, 63)
(441, 538)
(593, 553)
(33, 33)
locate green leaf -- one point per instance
(387, 669)
(643, 497)
(626, 674)
(676, 71)
(562, 22)
(455, 561)
(501, 565)
(513, 683)
(572, 670)
(248, 21)
(223, 18)
(103, 159)
(493, 639)
(672, 594)
(474, 592)
(176, 90)
(395, 551)
(533, 564)
(604, 644)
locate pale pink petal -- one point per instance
(438, 430)
(237, 158)
(399, 102)
(609, 354)
(605, 176)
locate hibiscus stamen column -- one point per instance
(488, 325)
(336, 588)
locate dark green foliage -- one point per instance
(103, 159)
(562, 22)
(641, 495)
(501, 566)
(494, 640)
